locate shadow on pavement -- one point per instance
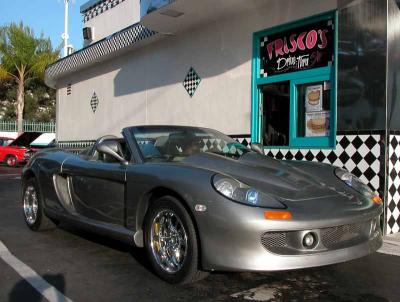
(138, 254)
(23, 291)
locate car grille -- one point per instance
(336, 237)
(274, 240)
(331, 238)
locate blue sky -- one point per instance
(45, 16)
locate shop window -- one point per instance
(276, 112)
(294, 97)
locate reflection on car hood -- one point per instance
(286, 180)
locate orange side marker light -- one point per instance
(377, 199)
(275, 215)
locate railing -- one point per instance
(11, 126)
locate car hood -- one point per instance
(25, 139)
(285, 180)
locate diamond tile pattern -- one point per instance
(100, 8)
(94, 102)
(126, 37)
(191, 81)
(243, 139)
(393, 202)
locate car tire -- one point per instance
(188, 271)
(11, 161)
(32, 205)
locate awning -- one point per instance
(104, 49)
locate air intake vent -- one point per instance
(69, 89)
(62, 186)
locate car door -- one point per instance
(97, 188)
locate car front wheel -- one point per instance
(171, 242)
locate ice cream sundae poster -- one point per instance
(317, 123)
(313, 98)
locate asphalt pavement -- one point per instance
(81, 266)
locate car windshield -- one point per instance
(175, 143)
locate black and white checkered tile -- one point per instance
(359, 154)
(99, 8)
(244, 139)
(393, 199)
(94, 52)
(191, 81)
(94, 102)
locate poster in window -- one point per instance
(313, 98)
(317, 123)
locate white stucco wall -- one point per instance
(112, 20)
(145, 85)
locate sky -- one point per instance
(45, 16)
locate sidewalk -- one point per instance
(391, 245)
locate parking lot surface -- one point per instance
(81, 266)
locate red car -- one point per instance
(14, 153)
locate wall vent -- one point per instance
(87, 33)
(69, 89)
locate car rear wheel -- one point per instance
(11, 160)
(171, 242)
(33, 208)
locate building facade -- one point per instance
(310, 80)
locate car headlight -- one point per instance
(355, 183)
(242, 193)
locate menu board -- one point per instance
(300, 48)
(317, 123)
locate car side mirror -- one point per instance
(256, 147)
(110, 147)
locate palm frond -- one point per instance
(4, 75)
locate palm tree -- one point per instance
(23, 57)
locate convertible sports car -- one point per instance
(198, 201)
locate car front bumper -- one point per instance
(232, 241)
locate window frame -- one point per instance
(295, 78)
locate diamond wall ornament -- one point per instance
(191, 81)
(94, 102)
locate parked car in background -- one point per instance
(4, 141)
(14, 153)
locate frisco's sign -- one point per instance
(298, 49)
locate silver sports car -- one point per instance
(199, 201)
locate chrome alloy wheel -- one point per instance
(168, 241)
(30, 205)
